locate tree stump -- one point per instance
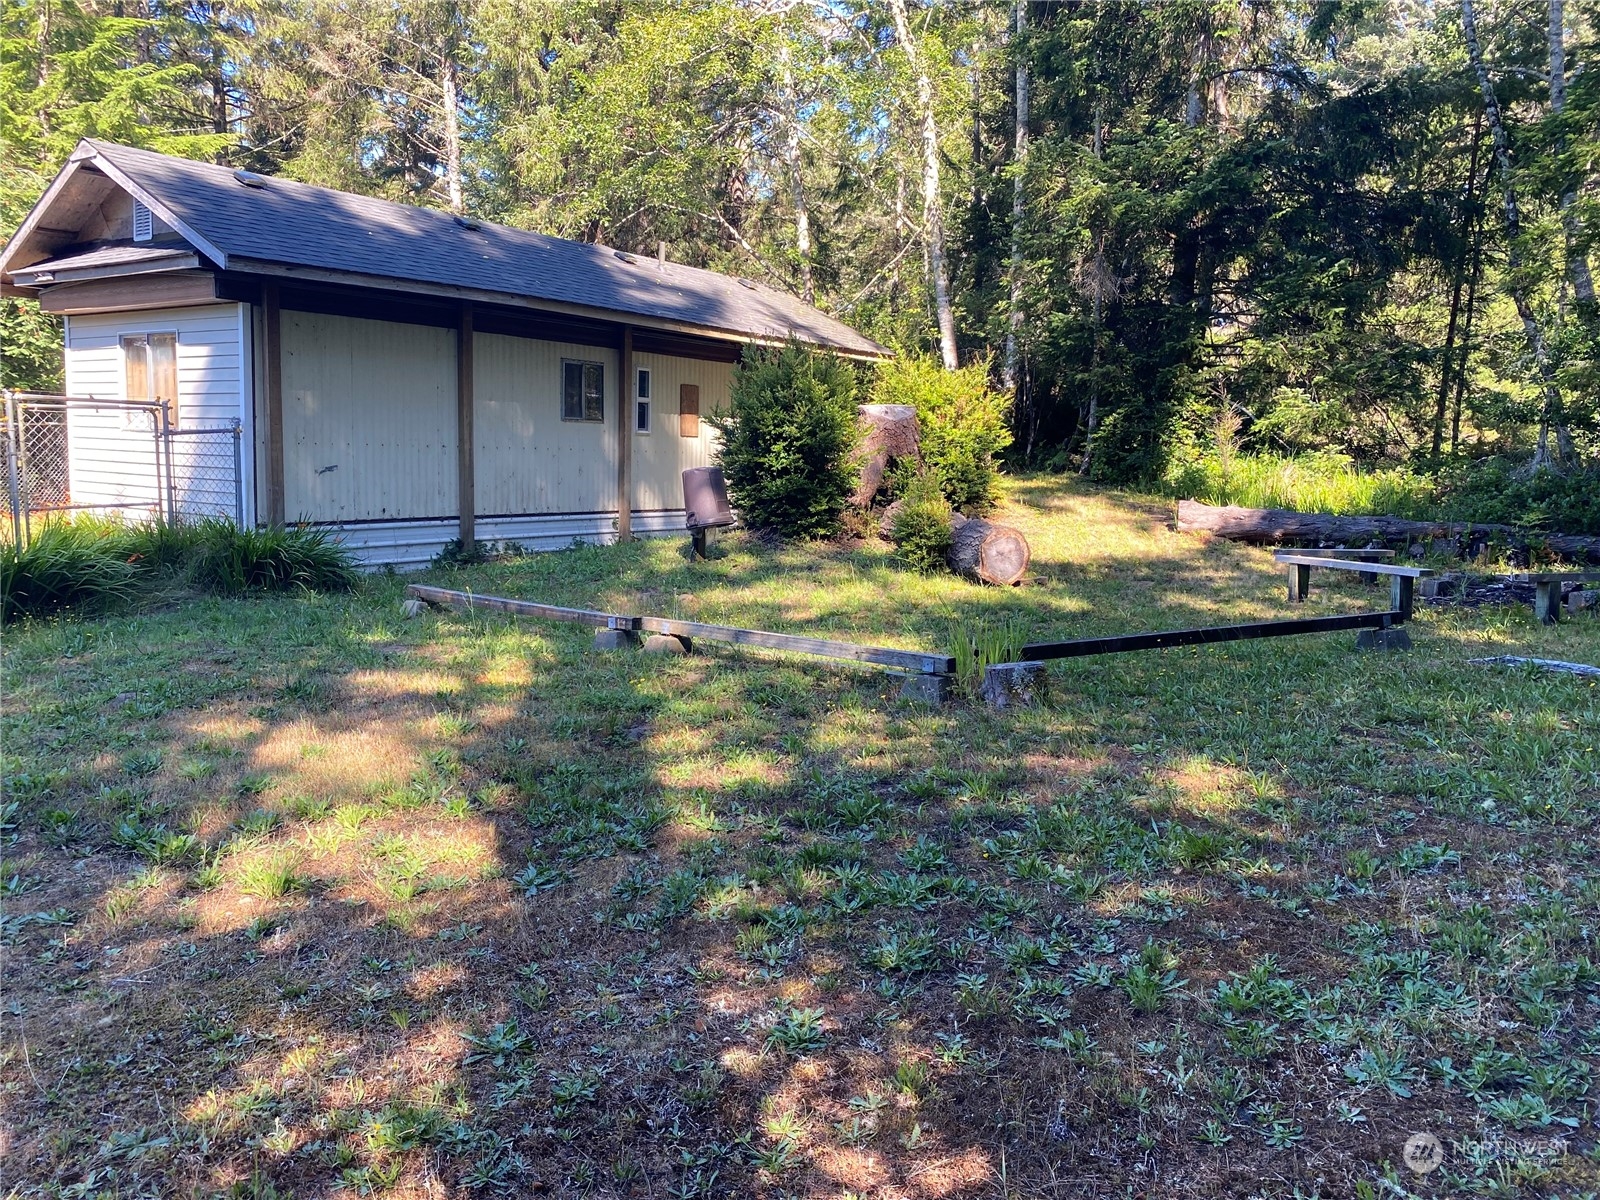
(888, 432)
(987, 552)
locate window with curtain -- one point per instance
(582, 391)
(150, 366)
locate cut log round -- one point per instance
(888, 432)
(988, 552)
(1262, 525)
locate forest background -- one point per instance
(1195, 243)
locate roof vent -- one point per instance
(626, 257)
(467, 222)
(745, 283)
(250, 178)
(143, 226)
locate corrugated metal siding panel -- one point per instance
(369, 419)
(528, 460)
(661, 456)
(113, 459)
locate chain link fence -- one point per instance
(71, 454)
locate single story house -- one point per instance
(401, 375)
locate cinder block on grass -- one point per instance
(927, 689)
(1383, 639)
(615, 639)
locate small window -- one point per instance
(641, 403)
(582, 391)
(150, 366)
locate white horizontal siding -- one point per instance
(112, 454)
(369, 419)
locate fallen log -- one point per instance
(987, 552)
(1266, 525)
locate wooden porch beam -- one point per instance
(466, 470)
(625, 440)
(272, 332)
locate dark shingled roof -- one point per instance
(299, 225)
(109, 256)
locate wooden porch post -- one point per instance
(466, 477)
(273, 336)
(625, 440)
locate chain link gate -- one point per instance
(71, 454)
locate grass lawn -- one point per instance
(304, 897)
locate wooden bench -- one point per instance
(1402, 580)
(1344, 552)
(1547, 590)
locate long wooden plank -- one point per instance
(468, 601)
(1352, 564)
(905, 660)
(1083, 647)
(1339, 552)
(1556, 576)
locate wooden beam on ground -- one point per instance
(1347, 564)
(625, 440)
(904, 660)
(1123, 643)
(469, 602)
(466, 471)
(272, 351)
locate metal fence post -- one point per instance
(166, 436)
(238, 474)
(23, 489)
(13, 476)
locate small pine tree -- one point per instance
(788, 440)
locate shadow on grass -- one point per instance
(730, 925)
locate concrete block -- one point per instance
(1584, 601)
(1013, 685)
(927, 689)
(665, 643)
(615, 639)
(413, 608)
(1383, 639)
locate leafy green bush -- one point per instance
(230, 560)
(1495, 491)
(788, 440)
(921, 530)
(66, 564)
(962, 419)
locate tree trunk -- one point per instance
(1448, 359)
(1551, 408)
(452, 130)
(932, 206)
(1577, 264)
(1266, 525)
(1019, 160)
(888, 432)
(797, 187)
(987, 552)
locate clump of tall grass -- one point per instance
(978, 645)
(1315, 483)
(67, 564)
(230, 561)
(93, 562)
